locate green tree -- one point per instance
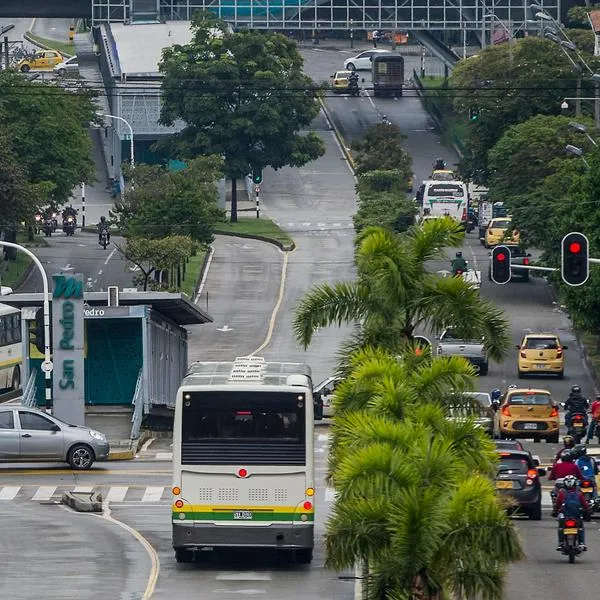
(151, 255)
(394, 294)
(50, 124)
(577, 16)
(394, 211)
(242, 96)
(507, 84)
(164, 203)
(15, 201)
(524, 156)
(380, 149)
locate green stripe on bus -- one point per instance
(228, 516)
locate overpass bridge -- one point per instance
(324, 15)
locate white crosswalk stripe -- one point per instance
(9, 492)
(83, 489)
(164, 456)
(44, 492)
(152, 494)
(116, 494)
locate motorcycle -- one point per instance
(353, 86)
(48, 227)
(104, 238)
(38, 223)
(54, 222)
(587, 489)
(69, 226)
(579, 426)
(571, 528)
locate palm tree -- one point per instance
(394, 294)
(412, 506)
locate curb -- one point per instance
(262, 238)
(83, 501)
(122, 454)
(340, 138)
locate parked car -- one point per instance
(324, 392)
(70, 66)
(30, 435)
(528, 413)
(42, 60)
(362, 61)
(518, 477)
(541, 353)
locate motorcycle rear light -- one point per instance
(577, 418)
(523, 354)
(586, 484)
(464, 215)
(525, 261)
(570, 523)
(506, 411)
(554, 412)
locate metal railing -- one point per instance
(30, 391)
(138, 407)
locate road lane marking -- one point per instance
(110, 255)
(99, 472)
(205, 274)
(277, 305)
(9, 492)
(146, 444)
(164, 456)
(116, 494)
(44, 492)
(244, 576)
(83, 489)
(153, 494)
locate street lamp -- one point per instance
(582, 129)
(576, 151)
(132, 156)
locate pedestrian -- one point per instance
(594, 420)
(375, 38)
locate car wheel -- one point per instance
(561, 375)
(183, 555)
(304, 556)
(483, 369)
(553, 439)
(25, 68)
(535, 512)
(80, 457)
(16, 379)
(350, 67)
(502, 435)
(521, 374)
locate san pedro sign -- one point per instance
(68, 384)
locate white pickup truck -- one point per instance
(472, 350)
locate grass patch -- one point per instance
(192, 272)
(11, 271)
(38, 240)
(433, 81)
(65, 48)
(262, 227)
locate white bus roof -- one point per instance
(247, 370)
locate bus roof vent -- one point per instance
(248, 368)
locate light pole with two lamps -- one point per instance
(576, 151)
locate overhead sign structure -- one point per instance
(68, 348)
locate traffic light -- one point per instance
(473, 114)
(574, 264)
(257, 176)
(500, 267)
(36, 331)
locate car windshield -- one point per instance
(500, 224)
(529, 398)
(541, 344)
(512, 464)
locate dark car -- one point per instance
(508, 445)
(518, 256)
(518, 478)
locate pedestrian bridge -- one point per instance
(324, 15)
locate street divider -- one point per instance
(83, 501)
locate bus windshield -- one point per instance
(446, 190)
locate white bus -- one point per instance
(445, 199)
(243, 464)
(10, 348)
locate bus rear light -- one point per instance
(176, 491)
(242, 473)
(310, 491)
(307, 505)
(179, 503)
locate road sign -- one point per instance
(257, 190)
(47, 366)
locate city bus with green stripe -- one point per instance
(243, 464)
(10, 348)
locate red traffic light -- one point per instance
(575, 247)
(500, 257)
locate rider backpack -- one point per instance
(586, 465)
(572, 504)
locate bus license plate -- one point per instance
(242, 514)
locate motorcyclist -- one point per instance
(495, 396)
(568, 444)
(587, 466)
(69, 211)
(575, 403)
(103, 226)
(439, 164)
(594, 420)
(458, 264)
(565, 467)
(570, 503)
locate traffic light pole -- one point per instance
(47, 364)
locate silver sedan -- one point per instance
(30, 435)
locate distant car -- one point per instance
(340, 81)
(497, 233)
(42, 60)
(518, 477)
(362, 61)
(518, 256)
(541, 353)
(483, 413)
(30, 435)
(67, 67)
(442, 175)
(508, 445)
(324, 392)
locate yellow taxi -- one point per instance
(528, 413)
(541, 353)
(42, 60)
(497, 233)
(340, 81)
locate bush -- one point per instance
(393, 211)
(381, 181)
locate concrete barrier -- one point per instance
(83, 501)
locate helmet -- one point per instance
(496, 393)
(459, 254)
(568, 441)
(102, 219)
(567, 456)
(575, 389)
(579, 450)
(570, 481)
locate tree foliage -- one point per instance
(393, 211)
(15, 202)
(48, 127)
(164, 203)
(242, 96)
